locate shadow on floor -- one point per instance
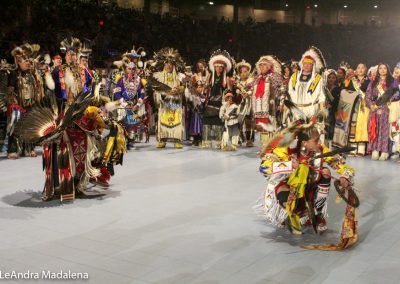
(33, 199)
(307, 238)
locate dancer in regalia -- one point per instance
(294, 163)
(220, 64)
(170, 126)
(267, 89)
(244, 88)
(306, 87)
(25, 91)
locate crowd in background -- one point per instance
(112, 29)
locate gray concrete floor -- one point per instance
(185, 216)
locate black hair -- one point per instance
(389, 77)
(301, 137)
(306, 136)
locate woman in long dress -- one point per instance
(378, 125)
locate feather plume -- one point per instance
(70, 81)
(76, 110)
(267, 127)
(118, 63)
(35, 49)
(84, 50)
(49, 81)
(111, 106)
(97, 91)
(157, 85)
(47, 59)
(286, 136)
(69, 77)
(294, 109)
(105, 99)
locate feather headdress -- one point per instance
(26, 50)
(129, 56)
(241, 64)
(169, 55)
(286, 136)
(135, 53)
(273, 60)
(316, 55)
(85, 50)
(72, 44)
(221, 57)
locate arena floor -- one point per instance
(186, 216)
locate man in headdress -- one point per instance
(135, 56)
(25, 91)
(267, 88)
(244, 88)
(86, 74)
(306, 90)
(71, 157)
(130, 91)
(169, 64)
(67, 77)
(220, 65)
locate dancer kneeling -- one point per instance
(298, 180)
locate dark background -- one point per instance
(113, 30)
